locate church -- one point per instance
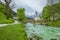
(37, 17)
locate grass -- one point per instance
(2, 21)
(55, 23)
(13, 32)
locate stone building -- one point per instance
(37, 18)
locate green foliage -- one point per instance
(55, 23)
(3, 17)
(13, 32)
(52, 11)
(21, 14)
(47, 12)
(8, 9)
(2, 8)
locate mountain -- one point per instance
(33, 16)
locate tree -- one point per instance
(51, 11)
(8, 10)
(2, 12)
(21, 14)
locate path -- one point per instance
(16, 22)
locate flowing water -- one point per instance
(45, 32)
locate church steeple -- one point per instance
(36, 13)
(37, 18)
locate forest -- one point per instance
(51, 13)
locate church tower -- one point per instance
(37, 18)
(36, 14)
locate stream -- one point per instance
(45, 32)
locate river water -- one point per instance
(45, 32)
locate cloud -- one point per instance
(34, 4)
(30, 6)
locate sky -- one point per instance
(30, 6)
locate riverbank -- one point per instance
(55, 23)
(13, 32)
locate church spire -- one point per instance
(36, 13)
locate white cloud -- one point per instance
(34, 4)
(30, 5)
